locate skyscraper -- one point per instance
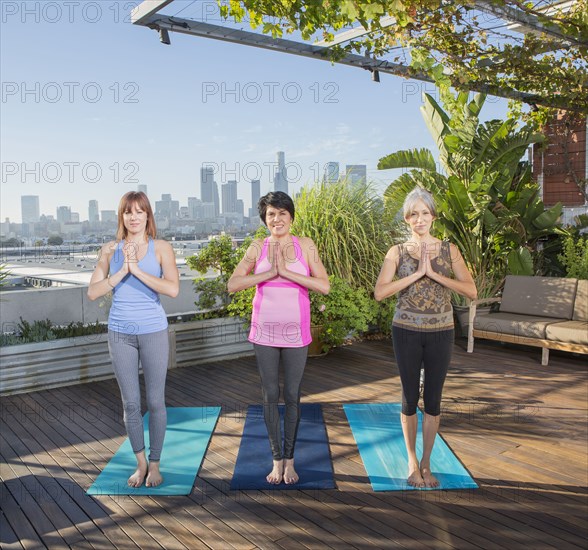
(167, 208)
(93, 212)
(209, 188)
(331, 172)
(229, 192)
(356, 173)
(280, 177)
(240, 207)
(64, 214)
(255, 193)
(142, 188)
(29, 207)
(194, 208)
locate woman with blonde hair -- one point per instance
(137, 268)
(422, 271)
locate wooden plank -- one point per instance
(8, 537)
(40, 488)
(18, 521)
(179, 535)
(39, 522)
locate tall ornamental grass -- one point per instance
(347, 223)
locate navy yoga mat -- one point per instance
(378, 433)
(312, 457)
(188, 432)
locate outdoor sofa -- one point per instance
(547, 312)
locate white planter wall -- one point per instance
(31, 367)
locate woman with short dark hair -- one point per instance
(284, 269)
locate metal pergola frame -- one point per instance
(147, 14)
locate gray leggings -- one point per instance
(153, 350)
(268, 362)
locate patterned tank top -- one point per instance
(425, 305)
(281, 308)
(136, 308)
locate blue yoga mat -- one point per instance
(312, 456)
(378, 433)
(188, 432)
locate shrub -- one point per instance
(44, 331)
(345, 312)
(574, 257)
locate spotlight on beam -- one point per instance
(375, 75)
(164, 36)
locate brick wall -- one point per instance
(562, 157)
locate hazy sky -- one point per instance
(92, 106)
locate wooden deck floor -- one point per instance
(521, 430)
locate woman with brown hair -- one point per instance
(137, 268)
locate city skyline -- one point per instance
(209, 189)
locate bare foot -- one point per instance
(136, 480)
(415, 478)
(290, 475)
(154, 476)
(275, 476)
(429, 479)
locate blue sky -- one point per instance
(92, 106)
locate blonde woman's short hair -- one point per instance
(418, 194)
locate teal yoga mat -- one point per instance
(186, 439)
(378, 433)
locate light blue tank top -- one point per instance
(136, 309)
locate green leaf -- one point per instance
(549, 217)
(520, 262)
(413, 158)
(349, 10)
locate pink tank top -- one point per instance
(281, 308)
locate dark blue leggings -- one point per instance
(414, 350)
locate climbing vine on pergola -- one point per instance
(535, 52)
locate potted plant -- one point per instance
(342, 314)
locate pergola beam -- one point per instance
(527, 21)
(147, 8)
(237, 36)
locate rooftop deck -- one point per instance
(521, 430)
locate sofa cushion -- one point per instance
(571, 332)
(511, 323)
(581, 303)
(539, 296)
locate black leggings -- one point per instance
(419, 349)
(268, 362)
